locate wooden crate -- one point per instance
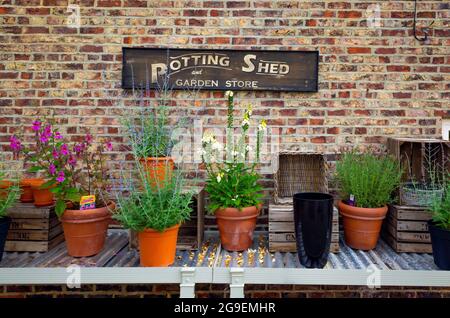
(299, 172)
(33, 229)
(412, 155)
(282, 231)
(406, 230)
(191, 233)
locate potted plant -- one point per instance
(156, 213)
(439, 227)
(9, 193)
(72, 170)
(422, 191)
(366, 183)
(148, 131)
(232, 185)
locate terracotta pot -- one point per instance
(85, 230)
(159, 169)
(42, 197)
(236, 227)
(362, 225)
(4, 186)
(27, 192)
(158, 249)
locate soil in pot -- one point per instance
(313, 217)
(27, 193)
(158, 249)
(158, 169)
(236, 227)
(440, 242)
(42, 197)
(4, 227)
(361, 225)
(85, 230)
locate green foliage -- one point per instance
(8, 197)
(234, 186)
(148, 131)
(157, 208)
(233, 183)
(441, 210)
(370, 178)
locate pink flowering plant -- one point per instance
(73, 169)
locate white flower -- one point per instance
(245, 122)
(229, 94)
(216, 146)
(262, 126)
(219, 177)
(208, 137)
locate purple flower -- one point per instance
(52, 169)
(77, 149)
(58, 135)
(43, 139)
(72, 161)
(55, 154)
(15, 144)
(64, 150)
(88, 139)
(61, 176)
(109, 146)
(36, 125)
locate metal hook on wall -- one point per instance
(425, 30)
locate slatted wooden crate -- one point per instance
(33, 229)
(282, 230)
(191, 233)
(406, 230)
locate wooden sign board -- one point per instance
(295, 71)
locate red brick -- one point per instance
(359, 50)
(350, 14)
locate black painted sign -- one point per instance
(221, 69)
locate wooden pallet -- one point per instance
(33, 229)
(191, 233)
(406, 230)
(282, 231)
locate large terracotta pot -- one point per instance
(362, 225)
(158, 169)
(41, 197)
(27, 192)
(236, 227)
(85, 230)
(158, 249)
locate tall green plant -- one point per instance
(149, 207)
(369, 178)
(233, 183)
(441, 210)
(8, 196)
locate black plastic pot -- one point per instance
(313, 217)
(4, 227)
(440, 241)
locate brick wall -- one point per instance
(219, 291)
(374, 81)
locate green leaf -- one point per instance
(35, 169)
(60, 207)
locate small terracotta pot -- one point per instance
(42, 197)
(362, 225)
(158, 249)
(85, 230)
(27, 192)
(4, 186)
(236, 227)
(158, 169)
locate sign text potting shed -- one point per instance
(220, 69)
